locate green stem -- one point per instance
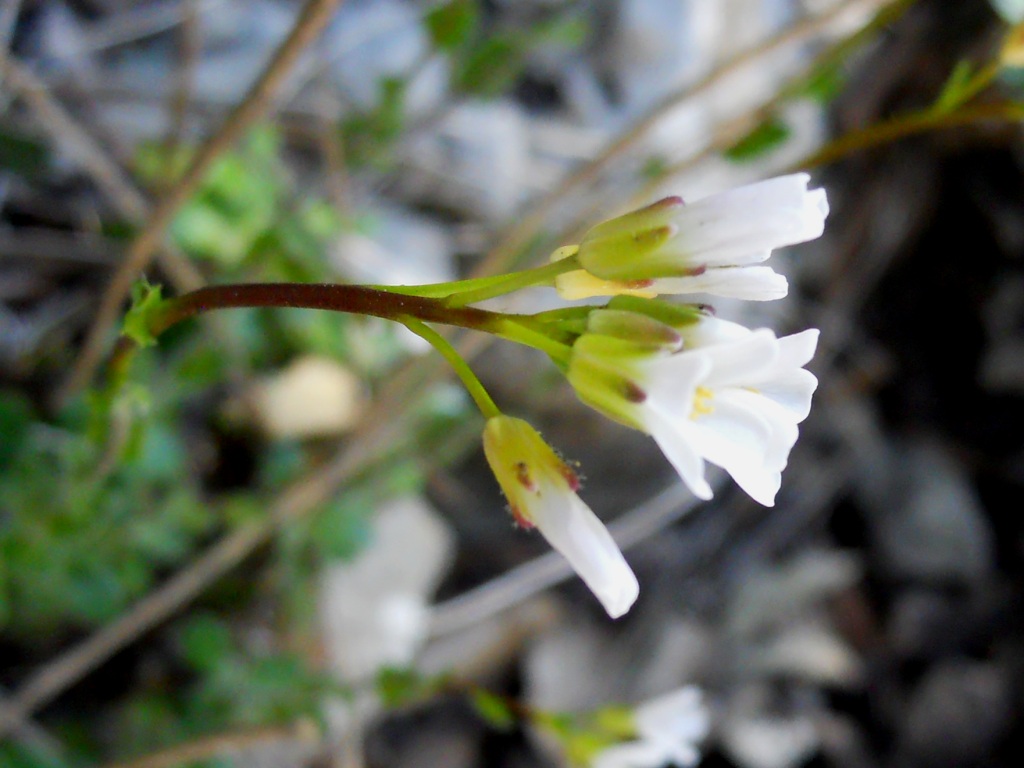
(979, 82)
(355, 299)
(524, 330)
(469, 379)
(461, 293)
(542, 275)
(908, 125)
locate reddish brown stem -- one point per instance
(331, 296)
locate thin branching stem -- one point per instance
(469, 379)
(256, 103)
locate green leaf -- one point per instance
(343, 528)
(766, 137)
(156, 165)
(369, 136)
(15, 419)
(139, 321)
(398, 686)
(493, 710)
(492, 67)
(451, 24)
(654, 168)
(21, 154)
(206, 642)
(15, 756)
(823, 84)
(956, 89)
(565, 31)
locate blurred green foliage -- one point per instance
(484, 63)
(244, 216)
(452, 24)
(125, 488)
(22, 154)
(760, 141)
(493, 710)
(369, 136)
(214, 683)
(489, 65)
(78, 544)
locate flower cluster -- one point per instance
(706, 389)
(666, 731)
(730, 396)
(713, 245)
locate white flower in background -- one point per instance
(541, 491)
(668, 729)
(709, 246)
(732, 396)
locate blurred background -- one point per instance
(280, 545)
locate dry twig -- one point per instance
(303, 733)
(257, 102)
(108, 175)
(530, 222)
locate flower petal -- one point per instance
(677, 715)
(785, 382)
(573, 529)
(784, 430)
(632, 754)
(736, 227)
(748, 283)
(680, 451)
(743, 361)
(579, 284)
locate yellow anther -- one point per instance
(702, 402)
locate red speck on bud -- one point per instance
(673, 201)
(523, 476)
(700, 269)
(632, 392)
(521, 520)
(571, 478)
(655, 235)
(636, 285)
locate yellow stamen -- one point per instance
(702, 403)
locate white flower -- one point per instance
(709, 246)
(668, 729)
(541, 491)
(733, 397)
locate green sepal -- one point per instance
(616, 720)
(583, 746)
(603, 371)
(634, 327)
(626, 255)
(627, 247)
(140, 320)
(673, 315)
